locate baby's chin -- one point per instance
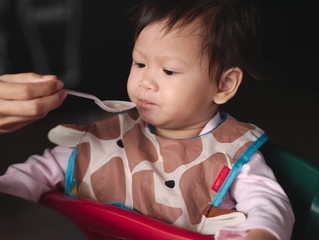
(146, 118)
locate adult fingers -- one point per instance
(28, 90)
(26, 77)
(13, 123)
(37, 107)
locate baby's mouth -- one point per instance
(146, 104)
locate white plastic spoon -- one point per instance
(107, 105)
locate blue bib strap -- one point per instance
(121, 205)
(236, 168)
(70, 182)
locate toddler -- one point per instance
(178, 159)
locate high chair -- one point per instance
(298, 175)
(103, 221)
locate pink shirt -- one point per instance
(254, 191)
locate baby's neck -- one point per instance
(199, 129)
(177, 133)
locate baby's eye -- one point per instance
(168, 72)
(140, 65)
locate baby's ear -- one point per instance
(228, 85)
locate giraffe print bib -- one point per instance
(181, 182)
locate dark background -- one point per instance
(88, 45)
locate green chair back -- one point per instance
(299, 177)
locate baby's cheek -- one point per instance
(131, 90)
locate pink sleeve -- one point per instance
(39, 174)
(256, 192)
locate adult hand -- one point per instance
(27, 97)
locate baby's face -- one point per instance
(169, 79)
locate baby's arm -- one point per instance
(256, 192)
(39, 174)
(259, 234)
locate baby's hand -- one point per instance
(27, 97)
(259, 234)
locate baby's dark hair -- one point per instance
(231, 34)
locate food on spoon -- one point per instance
(116, 105)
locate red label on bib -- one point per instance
(221, 178)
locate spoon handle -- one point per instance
(107, 105)
(81, 94)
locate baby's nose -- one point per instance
(148, 83)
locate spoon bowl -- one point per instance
(113, 106)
